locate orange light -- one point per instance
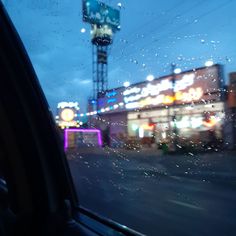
(211, 122)
(147, 126)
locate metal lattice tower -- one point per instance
(104, 21)
(100, 69)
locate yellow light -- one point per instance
(67, 114)
(147, 127)
(178, 96)
(168, 100)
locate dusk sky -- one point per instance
(154, 34)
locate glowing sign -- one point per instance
(72, 123)
(131, 90)
(198, 85)
(68, 104)
(98, 13)
(191, 95)
(67, 114)
(156, 89)
(111, 100)
(185, 82)
(111, 94)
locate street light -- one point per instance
(126, 84)
(209, 63)
(150, 78)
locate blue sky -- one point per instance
(153, 35)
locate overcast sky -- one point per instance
(154, 34)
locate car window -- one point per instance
(144, 97)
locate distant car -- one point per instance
(38, 197)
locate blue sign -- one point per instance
(111, 94)
(95, 12)
(111, 100)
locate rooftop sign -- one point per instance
(196, 86)
(98, 13)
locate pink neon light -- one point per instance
(83, 131)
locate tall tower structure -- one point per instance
(104, 21)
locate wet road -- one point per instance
(159, 195)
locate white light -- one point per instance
(68, 104)
(141, 133)
(134, 127)
(177, 70)
(209, 63)
(150, 78)
(102, 110)
(81, 123)
(126, 84)
(196, 122)
(208, 105)
(83, 30)
(132, 105)
(119, 4)
(163, 135)
(189, 108)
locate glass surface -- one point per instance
(153, 146)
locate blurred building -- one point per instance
(231, 114)
(190, 110)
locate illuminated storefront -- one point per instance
(194, 104)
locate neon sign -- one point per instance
(68, 104)
(72, 123)
(198, 85)
(155, 89)
(193, 94)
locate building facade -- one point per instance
(186, 108)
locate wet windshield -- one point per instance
(144, 96)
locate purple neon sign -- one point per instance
(83, 131)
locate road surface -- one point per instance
(188, 194)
